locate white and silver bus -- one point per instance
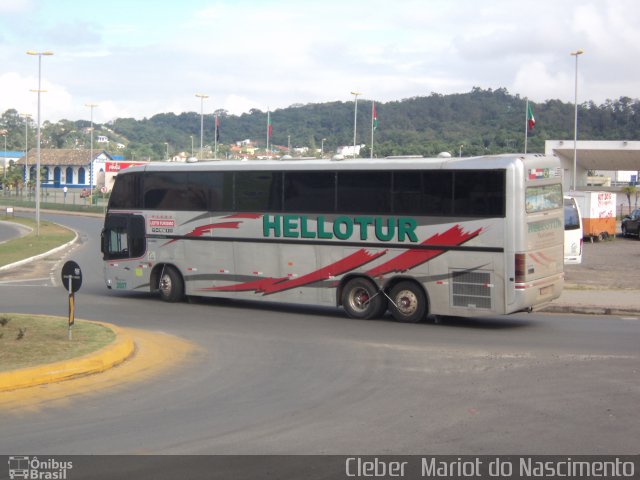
(446, 236)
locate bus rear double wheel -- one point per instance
(361, 298)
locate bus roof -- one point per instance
(480, 163)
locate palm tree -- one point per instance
(628, 191)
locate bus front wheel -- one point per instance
(171, 286)
(408, 302)
(361, 299)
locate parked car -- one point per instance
(631, 223)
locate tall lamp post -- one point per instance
(322, 148)
(201, 96)
(4, 159)
(574, 182)
(26, 145)
(39, 55)
(91, 106)
(355, 120)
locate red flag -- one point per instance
(531, 121)
(374, 117)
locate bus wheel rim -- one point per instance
(359, 299)
(165, 284)
(406, 302)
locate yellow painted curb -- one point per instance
(99, 361)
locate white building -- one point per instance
(621, 159)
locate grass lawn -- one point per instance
(28, 340)
(51, 236)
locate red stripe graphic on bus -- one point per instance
(201, 230)
(412, 258)
(270, 285)
(541, 258)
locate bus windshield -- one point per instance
(545, 197)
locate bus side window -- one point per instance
(254, 191)
(437, 192)
(364, 192)
(407, 192)
(312, 192)
(479, 193)
(206, 190)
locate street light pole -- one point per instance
(91, 106)
(26, 145)
(201, 96)
(4, 159)
(574, 182)
(355, 120)
(322, 148)
(191, 145)
(39, 55)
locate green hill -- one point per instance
(484, 121)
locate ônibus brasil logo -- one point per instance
(33, 468)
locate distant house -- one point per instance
(73, 168)
(348, 150)
(102, 139)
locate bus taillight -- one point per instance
(521, 267)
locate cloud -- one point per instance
(55, 102)
(15, 6)
(248, 54)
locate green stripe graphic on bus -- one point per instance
(388, 229)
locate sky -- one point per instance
(138, 58)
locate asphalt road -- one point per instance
(9, 231)
(273, 378)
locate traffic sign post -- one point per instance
(72, 280)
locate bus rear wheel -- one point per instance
(171, 285)
(361, 299)
(408, 302)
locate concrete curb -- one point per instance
(42, 255)
(592, 310)
(113, 354)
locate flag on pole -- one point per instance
(374, 117)
(374, 124)
(217, 137)
(531, 121)
(268, 130)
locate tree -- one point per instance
(484, 121)
(630, 190)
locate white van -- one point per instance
(572, 232)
